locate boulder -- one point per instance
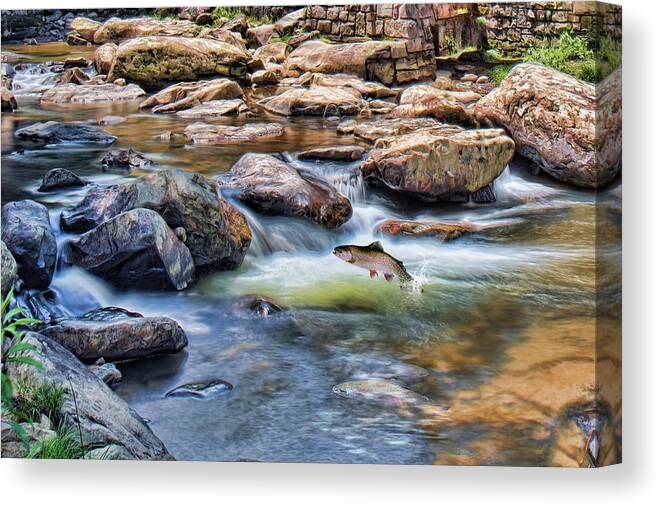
(124, 159)
(276, 52)
(259, 36)
(233, 38)
(104, 56)
(55, 132)
(553, 119)
(257, 306)
(101, 416)
(112, 452)
(206, 133)
(373, 130)
(273, 74)
(117, 30)
(298, 39)
(237, 24)
(134, 249)
(70, 93)
(27, 233)
(380, 106)
(338, 153)
(59, 178)
(215, 108)
(185, 95)
(76, 61)
(217, 235)
(207, 389)
(442, 231)
(367, 89)
(443, 163)
(8, 271)
(74, 75)
(73, 39)
(154, 61)
(8, 102)
(85, 28)
(316, 100)
(289, 22)
(115, 334)
(107, 373)
(446, 105)
(273, 187)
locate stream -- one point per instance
(498, 305)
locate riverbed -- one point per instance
(500, 346)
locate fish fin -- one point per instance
(373, 273)
(375, 246)
(389, 276)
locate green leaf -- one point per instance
(6, 317)
(20, 431)
(20, 347)
(27, 360)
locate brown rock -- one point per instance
(118, 30)
(205, 133)
(233, 38)
(445, 105)
(373, 130)
(289, 22)
(259, 35)
(8, 102)
(185, 95)
(442, 231)
(269, 76)
(75, 75)
(87, 94)
(276, 52)
(215, 108)
(85, 28)
(367, 89)
(339, 153)
(316, 100)
(104, 56)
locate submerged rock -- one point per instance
(206, 133)
(97, 412)
(115, 334)
(273, 187)
(59, 178)
(134, 249)
(201, 390)
(214, 108)
(117, 30)
(316, 100)
(27, 233)
(258, 306)
(376, 390)
(439, 164)
(154, 61)
(107, 373)
(71, 93)
(8, 270)
(443, 231)
(217, 234)
(55, 132)
(373, 130)
(367, 89)
(338, 153)
(75, 75)
(104, 56)
(186, 95)
(8, 102)
(571, 128)
(125, 159)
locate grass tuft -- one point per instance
(64, 445)
(498, 73)
(30, 402)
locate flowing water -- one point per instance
(505, 328)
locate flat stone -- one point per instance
(117, 30)
(60, 178)
(186, 95)
(206, 133)
(338, 153)
(71, 93)
(316, 100)
(201, 390)
(55, 132)
(215, 108)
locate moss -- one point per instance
(498, 73)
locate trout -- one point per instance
(373, 258)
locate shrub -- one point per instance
(65, 444)
(223, 13)
(31, 402)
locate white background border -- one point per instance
(636, 482)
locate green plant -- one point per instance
(63, 445)
(498, 73)
(280, 38)
(480, 21)
(450, 44)
(493, 55)
(165, 13)
(254, 21)
(13, 322)
(609, 56)
(326, 39)
(30, 402)
(223, 13)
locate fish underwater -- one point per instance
(374, 258)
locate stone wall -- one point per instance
(513, 27)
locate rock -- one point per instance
(204, 18)
(125, 159)
(202, 390)
(205, 133)
(117, 30)
(316, 100)
(374, 130)
(217, 235)
(482, 79)
(259, 36)
(109, 452)
(471, 78)
(233, 38)
(287, 23)
(107, 373)
(443, 231)
(273, 187)
(215, 108)
(27, 233)
(237, 24)
(154, 61)
(59, 178)
(79, 61)
(444, 163)
(380, 106)
(272, 75)
(338, 153)
(554, 122)
(275, 52)
(185, 95)
(381, 391)
(134, 249)
(55, 132)
(9, 270)
(446, 105)
(257, 306)
(98, 413)
(298, 39)
(70, 93)
(8, 102)
(119, 81)
(111, 120)
(85, 28)
(366, 88)
(74, 39)
(74, 75)
(104, 56)
(116, 334)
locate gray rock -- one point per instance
(9, 269)
(116, 334)
(110, 452)
(107, 372)
(202, 390)
(125, 159)
(55, 132)
(134, 249)
(28, 235)
(59, 178)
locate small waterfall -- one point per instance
(33, 79)
(509, 186)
